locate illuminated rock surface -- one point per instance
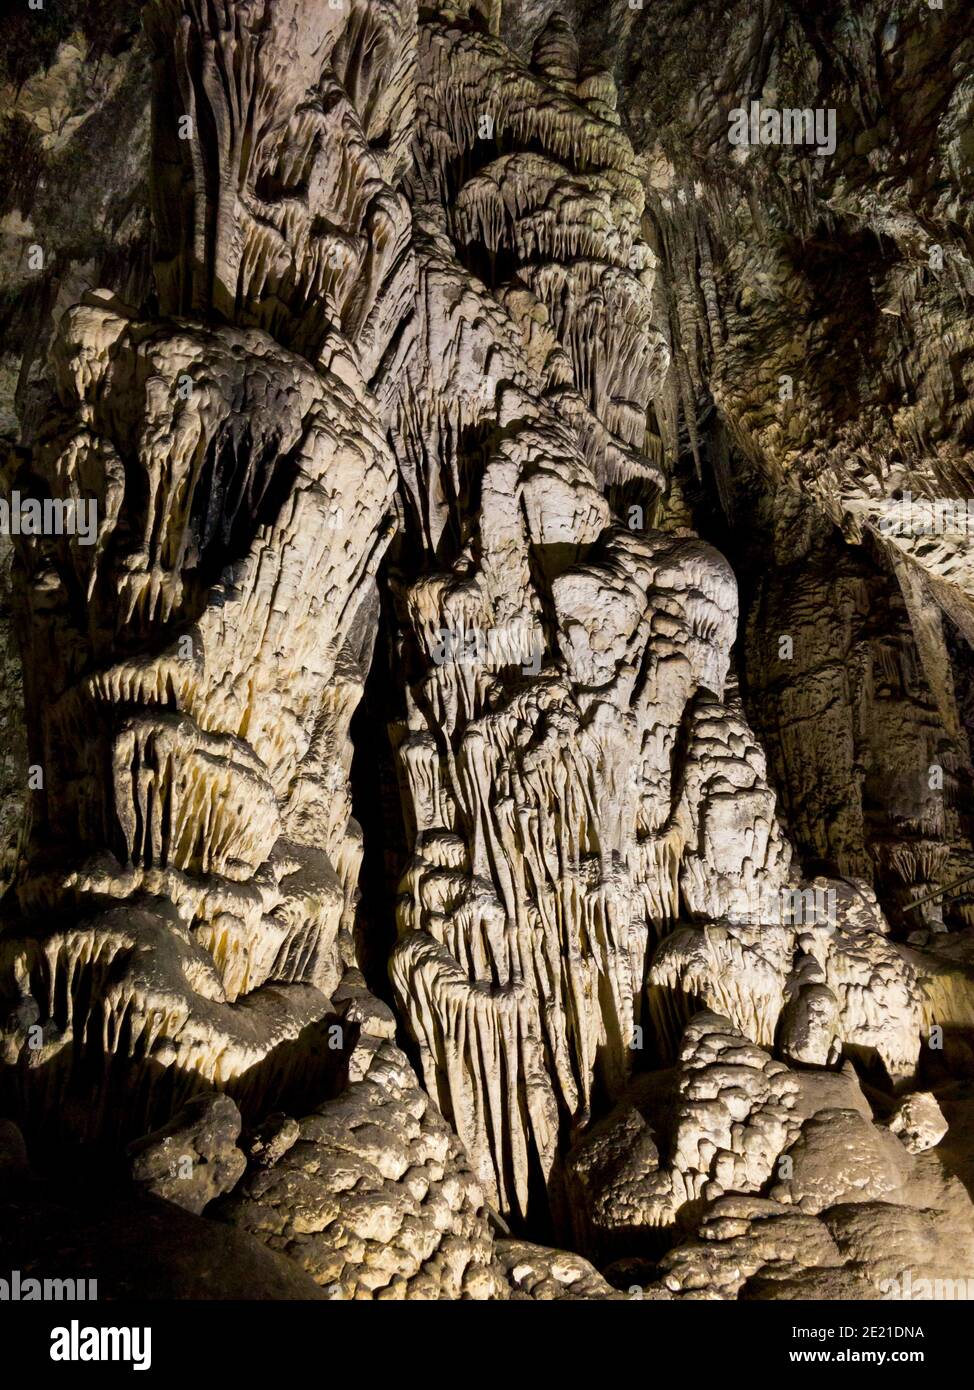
(487, 815)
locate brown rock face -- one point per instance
(493, 765)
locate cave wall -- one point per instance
(471, 424)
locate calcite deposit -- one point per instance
(486, 811)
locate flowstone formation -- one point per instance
(492, 778)
(554, 662)
(190, 676)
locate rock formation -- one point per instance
(488, 805)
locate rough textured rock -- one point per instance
(758, 1248)
(719, 1122)
(485, 809)
(550, 1275)
(919, 1122)
(193, 1158)
(374, 1197)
